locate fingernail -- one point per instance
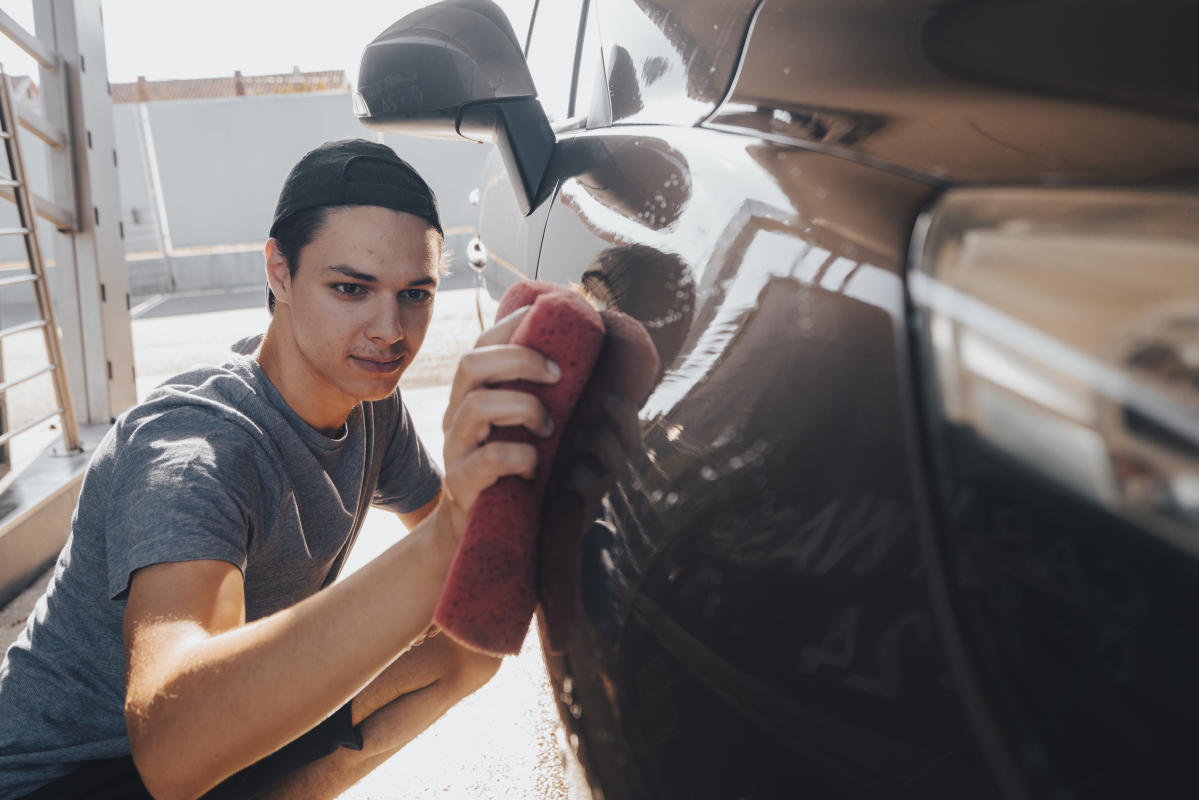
(555, 370)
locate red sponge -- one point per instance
(490, 593)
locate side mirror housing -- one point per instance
(455, 70)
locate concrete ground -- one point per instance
(503, 741)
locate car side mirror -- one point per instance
(455, 69)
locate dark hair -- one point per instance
(292, 235)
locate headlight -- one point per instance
(1062, 327)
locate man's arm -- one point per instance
(413, 518)
(208, 695)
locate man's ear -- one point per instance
(278, 274)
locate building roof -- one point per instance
(198, 88)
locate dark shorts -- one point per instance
(117, 778)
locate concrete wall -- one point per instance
(137, 203)
(221, 163)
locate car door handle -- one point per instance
(476, 253)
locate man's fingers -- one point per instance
(473, 472)
(484, 408)
(505, 362)
(501, 332)
(494, 364)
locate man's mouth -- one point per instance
(377, 365)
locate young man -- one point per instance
(192, 639)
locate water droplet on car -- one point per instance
(709, 474)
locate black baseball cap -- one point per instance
(356, 172)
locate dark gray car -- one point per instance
(918, 509)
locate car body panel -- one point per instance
(512, 239)
(807, 584)
(670, 63)
(1043, 92)
(783, 596)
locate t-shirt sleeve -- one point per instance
(182, 489)
(409, 477)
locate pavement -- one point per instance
(502, 742)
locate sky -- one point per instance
(167, 39)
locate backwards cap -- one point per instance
(356, 172)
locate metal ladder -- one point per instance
(27, 229)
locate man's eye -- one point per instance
(349, 289)
(417, 295)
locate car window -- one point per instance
(591, 92)
(551, 53)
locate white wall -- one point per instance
(222, 163)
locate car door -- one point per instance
(752, 615)
(872, 408)
(509, 239)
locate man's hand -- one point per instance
(471, 462)
(429, 633)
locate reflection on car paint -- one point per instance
(929, 89)
(769, 263)
(755, 613)
(671, 64)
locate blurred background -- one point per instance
(212, 104)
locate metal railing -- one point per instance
(29, 207)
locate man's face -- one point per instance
(359, 304)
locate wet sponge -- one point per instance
(490, 593)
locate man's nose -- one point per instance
(385, 324)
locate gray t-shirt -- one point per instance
(213, 465)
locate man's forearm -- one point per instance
(407, 698)
(279, 676)
(327, 777)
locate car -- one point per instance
(917, 513)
